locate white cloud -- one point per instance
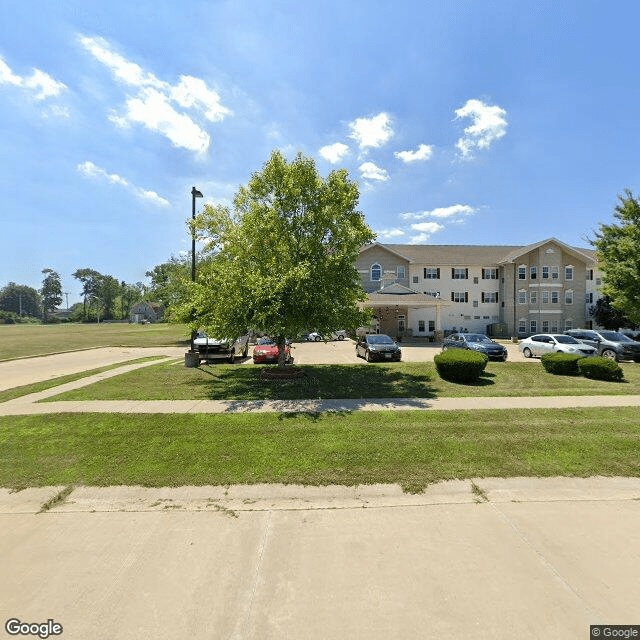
(390, 233)
(440, 212)
(488, 125)
(423, 152)
(371, 132)
(334, 152)
(41, 83)
(426, 229)
(91, 170)
(155, 104)
(371, 171)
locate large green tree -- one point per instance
(90, 279)
(51, 292)
(169, 281)
(282, 259)
(609, 317)
(618, 252)
(20, 299)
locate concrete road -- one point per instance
(15, 373)
(489, 558)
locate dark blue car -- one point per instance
(476, 342)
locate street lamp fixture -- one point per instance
(194, 194)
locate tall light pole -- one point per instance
(194, 194)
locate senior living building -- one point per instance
(432, 290)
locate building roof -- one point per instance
(467, 254)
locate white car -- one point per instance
(543, 343)
(315, 336)
(220, 349)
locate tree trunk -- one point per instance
(282, 356)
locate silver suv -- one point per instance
(610, 344)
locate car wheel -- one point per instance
(526, 352)
(340, 337)
(318, 338)
(609, 354)
(367, 356)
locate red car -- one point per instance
(266, 351)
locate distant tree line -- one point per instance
(104, 297)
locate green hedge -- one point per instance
(561, 364)
(460, 365)
(600, 369)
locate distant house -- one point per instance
(146, 312)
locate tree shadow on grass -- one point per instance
(324, 382)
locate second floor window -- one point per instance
(522, 272)
(489, 296)
(401, 273)
(490, 274)
(568, 273)
(554, 297)
(522, 297)
(459, 296)
(568, 297)
(432, 274)
(459, 274)
(533, 273)
(376, 272)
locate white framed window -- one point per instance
(554, 326)
(489, 296)
(533, 273)
(568, 324)
(545, 273)
(432, 273)
(522, 326)
(459, 296)
(589, 274)
(533, 325)
(432, 325)
(433, 294)
(522, 297)
(568, 272)
(490, 274)
(554, 297)
(555, 273)
(545, 297)
(376, 272)
(568, 297)
(545, 326)
(421, 327)
(522, 272)
(414, 279)
(533, 296)
(459, 274)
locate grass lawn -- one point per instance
(397, 380)
(17, 392)
(412, 448)
(21, 340)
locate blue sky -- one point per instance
(464, 122)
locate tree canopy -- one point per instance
(609, 317)
(51, 292)
(282, 259)
(18, 298)
(618, 251)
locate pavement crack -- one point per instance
(57, 500)
(548, 565)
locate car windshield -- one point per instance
(614, 336)
(477, 337)
(266, 342)
(566, 340)
(379, 339)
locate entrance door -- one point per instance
(401, 325)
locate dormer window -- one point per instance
(376, 272)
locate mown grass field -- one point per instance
(22, 340)
(398, 380)
(412, 448)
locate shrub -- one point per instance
(561, 364)
(601, 369)
(457, 365)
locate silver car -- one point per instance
(543, 343)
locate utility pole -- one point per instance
(20, 303)
(66, 293)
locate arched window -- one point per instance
(376, 272)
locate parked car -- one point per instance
(266, 352)
(316, 336)
(476, 342)
(220, 349)
(609, 344)
(378, 347)
(543, 343)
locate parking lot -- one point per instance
(344, 352)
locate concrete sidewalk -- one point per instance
(483, 558)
